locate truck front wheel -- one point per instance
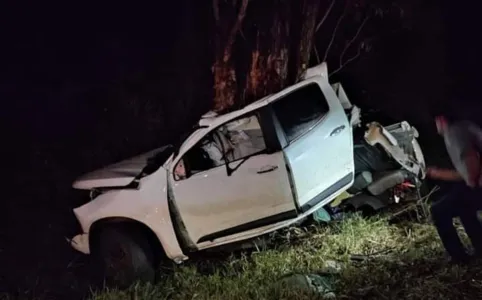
(125, 255)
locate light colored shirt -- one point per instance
(459, 138)
(214, 153)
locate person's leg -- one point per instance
(443, 211)
(470, 204)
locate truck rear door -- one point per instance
(317, 142)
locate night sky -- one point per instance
(58, 54)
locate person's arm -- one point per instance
(480, 177)
(471, 155)
(472, 163)
(444, 174)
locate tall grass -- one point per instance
(379, 261)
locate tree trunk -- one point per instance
(279, 35)
(273, 44)
(225, 85)
(309, 14)
(225, 81)
(268, 71)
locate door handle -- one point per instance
(267, 169)
(337, 130)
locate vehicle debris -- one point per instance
(318, 284)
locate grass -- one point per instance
(401, 261)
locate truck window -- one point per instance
(300, 110)
(205, 155)
(241, 138)
(230, 142)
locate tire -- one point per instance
(367, 211)
(125, 256)
(349, 208)
(361, 200)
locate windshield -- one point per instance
(157, 160)
(184, 137)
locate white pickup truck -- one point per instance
(237, 176)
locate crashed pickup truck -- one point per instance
(241, 175)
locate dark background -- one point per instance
(84, 86)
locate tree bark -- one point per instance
(273, 45)
(225, 83)
(276, 41)
(225, 86)
(268, 70)
(309, 15)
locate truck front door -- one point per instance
(216, 201)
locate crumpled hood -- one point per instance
(115, 175)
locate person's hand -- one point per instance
(471, 184)
(431, 172)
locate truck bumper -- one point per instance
(80, 243)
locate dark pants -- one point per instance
(458, 201)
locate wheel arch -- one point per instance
(127, 224)
(150, 208)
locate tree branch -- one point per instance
(334, 33)
(322, 21)
(316, 54)
(347, 62)
(216, 11)
(353, 38)
(234, 30)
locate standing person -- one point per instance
(463, 141)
